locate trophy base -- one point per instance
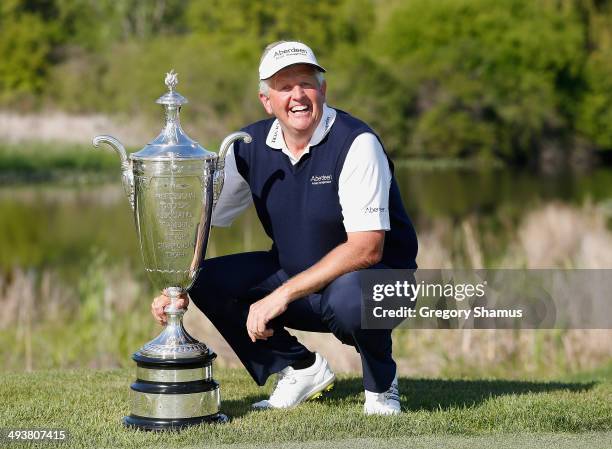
(171, 394)
(158, 424)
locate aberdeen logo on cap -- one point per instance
(284, 55)
(290, 51)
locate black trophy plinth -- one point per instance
(171, 394)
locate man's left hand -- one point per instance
(261, 312)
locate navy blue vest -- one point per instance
(298, 205)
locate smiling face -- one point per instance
(296, 99)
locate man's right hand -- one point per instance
(159, 304)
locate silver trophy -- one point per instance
(173, 185)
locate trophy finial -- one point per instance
(171, 80)
(172, 97)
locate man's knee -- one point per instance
(234, 275)
(210, 288)
(207, 287)
(342, 303)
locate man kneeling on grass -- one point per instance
(324, 191)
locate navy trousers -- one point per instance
(228, 285)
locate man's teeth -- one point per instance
(299, 108)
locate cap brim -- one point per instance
(265, 76)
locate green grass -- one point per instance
(51, 161)
(437, 413)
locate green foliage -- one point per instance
(322, 24)
(98, 24)
(595, 118)
(25, 48)
(376, 95)
(482, 74)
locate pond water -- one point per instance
(60, 226)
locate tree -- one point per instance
(484, 74)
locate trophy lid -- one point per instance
(172, 143)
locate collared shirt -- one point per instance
(363, 185)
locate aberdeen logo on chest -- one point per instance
(320, 179)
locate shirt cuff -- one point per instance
(360, 223)
(221, 223)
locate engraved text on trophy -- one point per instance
(169, 222)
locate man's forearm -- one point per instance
(346, 257)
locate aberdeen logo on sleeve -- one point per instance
(374, 210)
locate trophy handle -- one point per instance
(127, 177)
(220, 169)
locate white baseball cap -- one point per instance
(286, 54)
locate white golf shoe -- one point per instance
(294, 386)
(385, 403)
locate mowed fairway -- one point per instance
(575, 412)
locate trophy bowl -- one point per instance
(173, 185)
